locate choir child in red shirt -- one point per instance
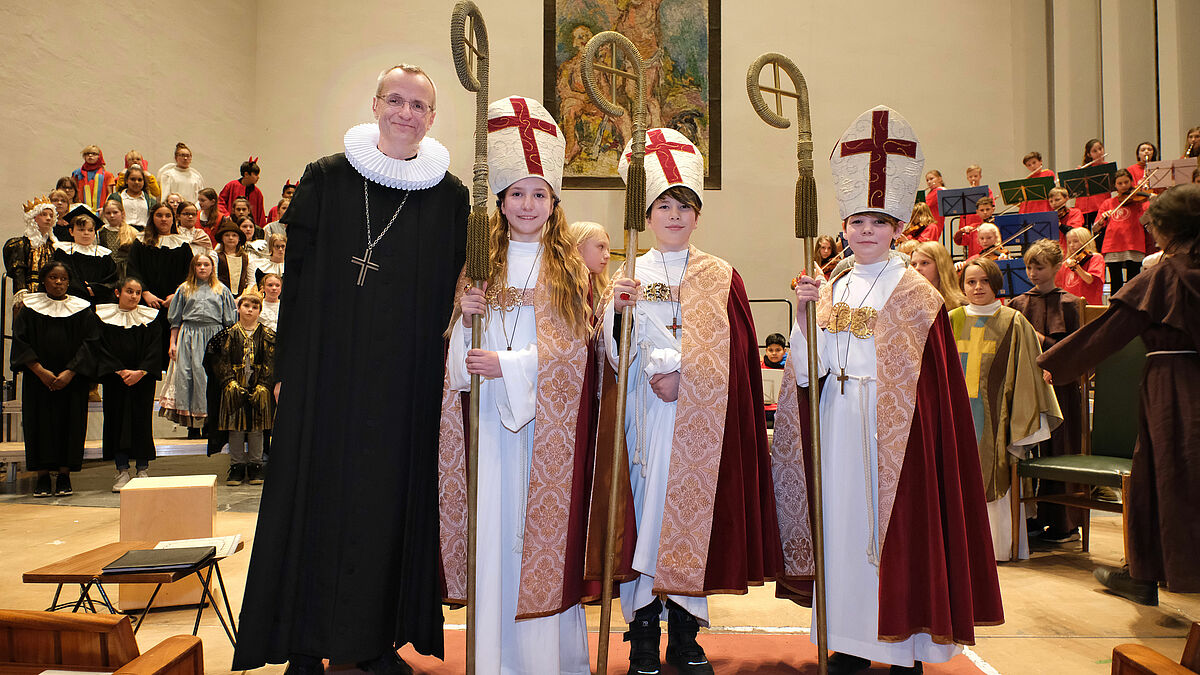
(933, 185)
(244, 187)
(1033, 163)
(967, 234)
(1093, 154)
(1082, 271)
(1069, 217)
(1146, 152)
(1124, 237)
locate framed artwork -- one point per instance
(681, 43)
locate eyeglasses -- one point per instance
(396, 102)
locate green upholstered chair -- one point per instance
(1108, 446)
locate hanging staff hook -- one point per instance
(806, 229)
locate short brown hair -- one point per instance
(1033, 154)
(82, 220)
(1175, 214)
(411, 70)
(250, 297)
(974, 167)
(985, 201)
(992, 270)
(1060, 192)
(681, 194)
(1044, 252)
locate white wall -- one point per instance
(283, 79)
(141, 79)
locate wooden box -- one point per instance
(162, 508)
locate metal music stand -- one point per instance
(1016, 279)
(1028, 189)
(1091, 180)
(1045, 226)
(960, 201)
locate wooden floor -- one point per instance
(1058, 619)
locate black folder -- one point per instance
(160, 560)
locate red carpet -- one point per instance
(740, 653)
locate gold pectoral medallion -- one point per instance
(858, 321)
(504, 298)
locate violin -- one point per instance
(914, 230)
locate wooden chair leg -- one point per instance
(1125, 483)
(1014, 491)
(1087, 529)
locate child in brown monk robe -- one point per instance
(1054, 314)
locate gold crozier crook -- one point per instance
(806, 229)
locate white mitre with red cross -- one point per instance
(523, 140)
(877, 165)
(671, 159)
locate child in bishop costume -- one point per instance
(535, 405)
(695, 428)
(1012, 407)
(909, 568)
(126, 354)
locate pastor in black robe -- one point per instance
(345, 558)
(128, 410)
(54, 422)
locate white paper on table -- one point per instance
(226, 546)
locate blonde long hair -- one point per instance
(947, 284)
(192, 282)
(581, 233)
(562, 267)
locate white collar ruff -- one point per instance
(169, 240)
(36, 238)
(70, 247)
(58, 309)
(983, 310)
(424, 171)
(113, 315)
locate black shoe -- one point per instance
(299, 664)
(847, 664)
(643, 637)
(237, 474)
(62, 486)
(255, 473)
(1118, 581)
(43, 487)
(194, 432)
(915, 669)
(683, 651)
(1056, 537)
(389, 663)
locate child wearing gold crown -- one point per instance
(25, 255)
(699, 482)
(908, 562)
(535, 404)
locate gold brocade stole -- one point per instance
(562, 357)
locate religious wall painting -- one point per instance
(679, 39)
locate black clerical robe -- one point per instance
(345, 560)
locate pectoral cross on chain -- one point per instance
(842, 380)
(674, 326)
(364, 265)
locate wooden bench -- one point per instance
(1134, 659)
(31, 642)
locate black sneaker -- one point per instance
(1118, 581)
(847, 664)
(643, 637)
(255, 474)
(62, 486)
(1055, 537)
(43, 487)
(915, 669)
(389, 663)
(237, 474)
(683, 651)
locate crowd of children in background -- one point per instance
(120, 277)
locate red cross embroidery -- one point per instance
(661, 148)
(880, 146)
(525, 124)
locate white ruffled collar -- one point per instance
(58, 309)
(113, 315)
(169, 240)
(422, 172)
(36, 238)
(70, 247)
